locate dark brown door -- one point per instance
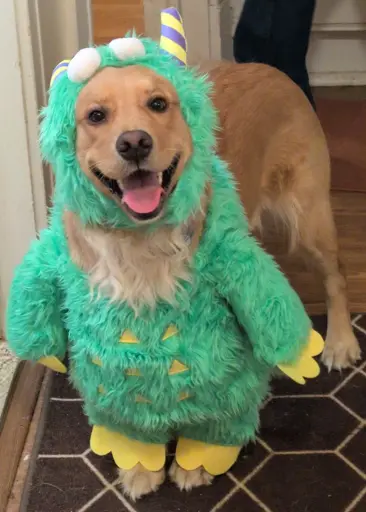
(113, 18)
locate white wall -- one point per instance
(337, 53)
(17, 219)
(37, 34)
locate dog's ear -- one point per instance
(173, 40)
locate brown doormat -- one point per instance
(310, 456)
(344, 123)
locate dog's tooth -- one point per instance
(160, 178)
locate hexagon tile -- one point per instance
(310, 456)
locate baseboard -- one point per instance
(337, 79)
(15, 424)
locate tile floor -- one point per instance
(310, 457)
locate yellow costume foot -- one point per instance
(305, 366)
(53, 363)
(127, 452)
(214, 458)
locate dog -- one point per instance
(275, 146)
(133, 266)
(277, 151)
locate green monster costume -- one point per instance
(197, 370)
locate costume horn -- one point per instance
(173, 39)
(59, 70)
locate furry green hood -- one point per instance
(75, 192)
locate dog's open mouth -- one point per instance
(143, 192)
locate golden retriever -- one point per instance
(275, 147)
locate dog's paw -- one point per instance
(187, 480)
(138, 481)
(340, 351)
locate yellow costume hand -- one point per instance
(305, 366)
(127, 452)
(53, 363)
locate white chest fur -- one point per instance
(136, 267)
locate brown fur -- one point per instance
(276, 148)
(124, 93)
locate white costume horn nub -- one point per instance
(127, 47)
(83, 65)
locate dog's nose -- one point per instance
(134, 145)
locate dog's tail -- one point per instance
(280, 215)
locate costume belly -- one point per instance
(163, 371)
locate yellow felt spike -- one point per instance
(215, 459)
(170, 332)
(177, 367)
(128, 337)
(53, 363)
(127, 452)
(183, 396)
(305, 366)
(97, 361)
(101, 389)
(142, 400)
(133, 372)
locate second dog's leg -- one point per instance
(319, 239)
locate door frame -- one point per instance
(26, 29)
(22, 193)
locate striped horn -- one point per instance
(59, 70)
(173, 39)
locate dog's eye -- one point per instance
(97, 116)
(158, 104)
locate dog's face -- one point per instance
(131, 138)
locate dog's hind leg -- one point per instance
(318, 238)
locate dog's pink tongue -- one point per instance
(143, 200)
(142, 191)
